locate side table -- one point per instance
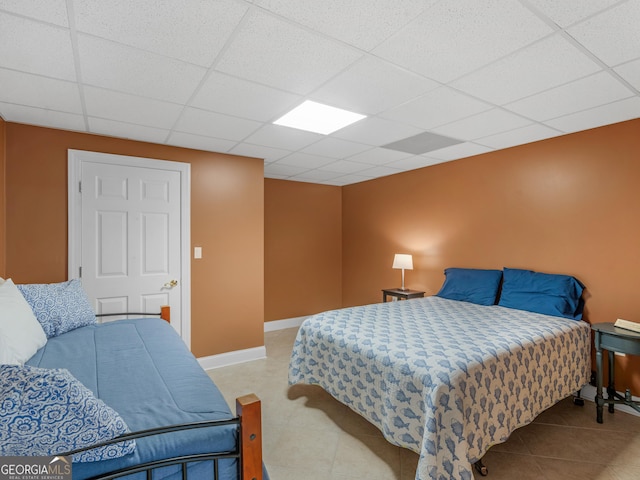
(405, 294)
(613, 339)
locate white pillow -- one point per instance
(21, 335)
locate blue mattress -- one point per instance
(142, 369)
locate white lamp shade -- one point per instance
(404, 261)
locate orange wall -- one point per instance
(227, 221)
(303, 245)
(565, 205)
(3, 229)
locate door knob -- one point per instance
(170, 284)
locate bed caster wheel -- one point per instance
(481, 468)
(578, 401)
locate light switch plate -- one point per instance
(197, 252)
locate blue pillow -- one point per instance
(471, 285)
(59, 307)
(551, 294)
(48, 412)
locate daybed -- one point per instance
(444, 377)
(142, 370)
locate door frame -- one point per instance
(74, 175)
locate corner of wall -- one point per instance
(3, 197)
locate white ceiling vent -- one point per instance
(422, 143)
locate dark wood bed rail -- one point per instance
(165, 313)
(248, 409)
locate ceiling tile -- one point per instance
(411, 163)
(462, 150)
(40, 92)
(335, 148)
(483, 124)
(283, 170)
(130, 109)
(378, 156)
(376, 131)
(380, 171)
(217, 125)
(541, 66)
(200, 142)
(283, 137)
(630, 72)
(52, 11)
(566, 13)
(345, 166)
(316, 176)
(613, 36)
(350, 179)
(305, 160)
(41, 117)
(363, 23)
(582, 94)
(455, 38)
(127, 130)
(34, 47)
(126, 69)
(596, 117)
(276, 53)
(268, 154)
(371, 86)
(191, 30)
(519, 136)
(440, 106)
(224, 94)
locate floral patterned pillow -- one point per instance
(59, 307)
(49, 412)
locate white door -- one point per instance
(130, 235)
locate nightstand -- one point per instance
(405, 294)
(613, 339)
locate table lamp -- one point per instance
(404, 262)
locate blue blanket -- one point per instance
(142, 369)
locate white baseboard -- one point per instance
(282, 324)
(232, 358)
(588, 392)
(249, 354)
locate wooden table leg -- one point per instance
(599, 399)
(611, 388)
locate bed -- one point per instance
(445, 378)
(142, 370)
(137, 383)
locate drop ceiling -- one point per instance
(214, 75)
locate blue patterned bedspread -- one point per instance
(443, 378)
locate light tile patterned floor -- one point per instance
(310, 436)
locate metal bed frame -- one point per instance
(248, 448)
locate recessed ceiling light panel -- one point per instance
(318, 118)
